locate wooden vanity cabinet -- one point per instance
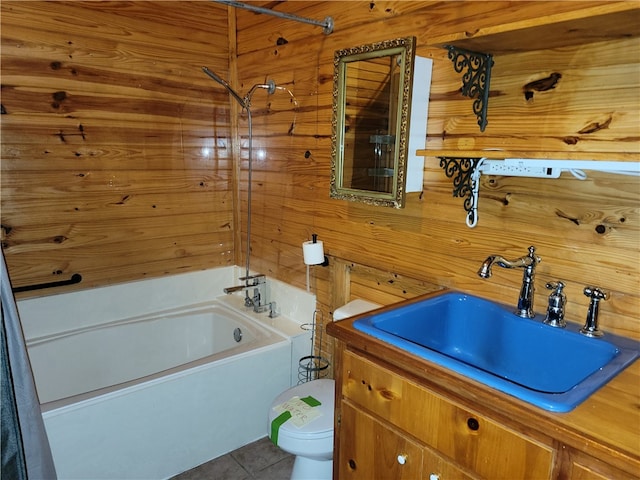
(390, 427)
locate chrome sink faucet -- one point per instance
(528, 263)
(258, 301)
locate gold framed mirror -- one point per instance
(372, 87)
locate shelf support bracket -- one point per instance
(465, 184)
(476, 78)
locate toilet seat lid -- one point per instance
(322, 390)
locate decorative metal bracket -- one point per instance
(476, 78)
(462, 171)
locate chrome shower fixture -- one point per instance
(245, 102)
(270, 87)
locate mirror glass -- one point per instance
(371, 101)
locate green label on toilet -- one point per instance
(293, 405)
(277, 423)
(312, 402)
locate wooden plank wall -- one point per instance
(587, 232)
(116, 148)
(117, 152)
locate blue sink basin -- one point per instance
(554, 369)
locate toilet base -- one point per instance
(309, 469)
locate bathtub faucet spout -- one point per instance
(237, 288)
(257, 300)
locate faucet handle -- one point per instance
(557, 286)
(595, 294)
(532, 254)
(274, 311)
(557, 301)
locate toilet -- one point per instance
(301, 418)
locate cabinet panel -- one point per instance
(585, 467)
(369, 449)
(582, 472)
(434, 467)
(475, 442)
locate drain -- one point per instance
(237, 334)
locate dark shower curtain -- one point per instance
(25, 448)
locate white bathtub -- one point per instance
(153, 395)
(95, 360)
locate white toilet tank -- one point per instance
(354, 307)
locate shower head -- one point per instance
(215, 77)
(226, 85)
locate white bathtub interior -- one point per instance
(175, 421)
(122, 352)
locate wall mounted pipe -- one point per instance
(326, 24)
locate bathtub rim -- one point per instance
(67, 404)
(270, 338)
(171, 312)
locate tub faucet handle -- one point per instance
(595, 294)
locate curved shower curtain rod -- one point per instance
(327, 24)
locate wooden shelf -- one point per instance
(472, 53)
(615, 20)
(502, 154)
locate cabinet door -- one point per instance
(371, 450)
(435, 467)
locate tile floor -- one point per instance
(260, 460)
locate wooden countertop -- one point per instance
(606, 425)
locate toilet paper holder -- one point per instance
(313, 252)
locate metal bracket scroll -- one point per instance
(475, 80)
(465, 182)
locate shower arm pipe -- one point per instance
(270, 87)
(327, 24)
